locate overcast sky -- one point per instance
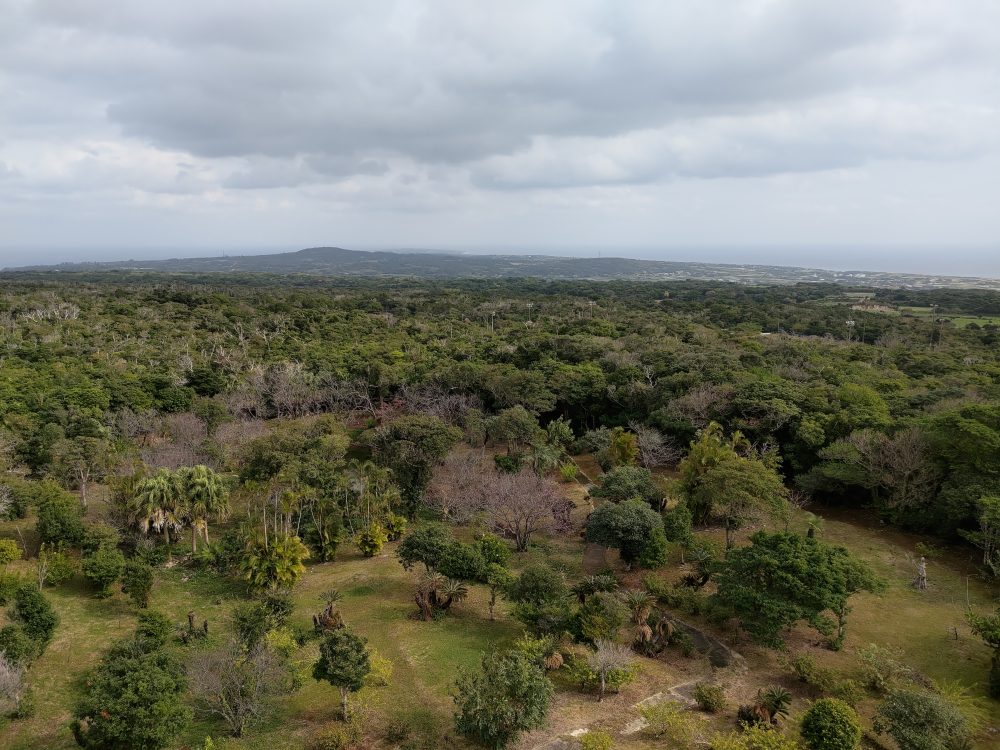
(129, 127)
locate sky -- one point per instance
(829, 133)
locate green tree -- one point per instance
(411, 446)
(629, 483)
(103, 568)
(133, 700)
(783, 578)
(633, 528)
(507, 696)
(426, 544)
(515, 426)
(987, 627)
(830, 724)
(343, 662)
(60, 516)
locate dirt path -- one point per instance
(594, 559)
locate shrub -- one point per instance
(510, 463)
(9, 552)
(35, 614)
(669, 721)
(371, 539)
(568, 472)
(137, 582)
(754, 738)
(153, 627)
(880, 668)
(336, 737)
(709, 697)
(395, 525)
(919, 720)
(60, 567)
(830, 724)
(596, 740)
(381, 669)
(251, 621)
(16, 644)
(580, 671)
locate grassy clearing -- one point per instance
(928, 628)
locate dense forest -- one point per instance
(251, 429)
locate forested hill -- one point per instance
(338, 261)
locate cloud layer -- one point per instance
(227, 120)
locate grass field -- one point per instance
(927, 627)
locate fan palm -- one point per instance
(156, 504)
(205, 495)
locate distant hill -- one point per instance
(337, 261)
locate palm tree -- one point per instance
(205, 495)
(156, 504)
(640, 604)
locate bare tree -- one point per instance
(518, 505)
(457, 484)
(654, 449)
(701, 403)
(909, 472)
(236, 684)
(11, 683)
(606, 658)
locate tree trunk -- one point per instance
(343, 702)
(194, 539)
(83, 492)
(600, 695)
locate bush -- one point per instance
(137, 582)
(506, 696)
(880, 668)
(9, 552)
(338, 736)
(919, 720)
(395, 525)
(670, 722)
(371, 539)
(153, 627)
(579, 671)
(596, 740)
(754, 738)
(34, 613)
(568, 472)
(251, 621)
(709, 697)
(16, 644)
(509, 464)
(830, 724)
(61, 567)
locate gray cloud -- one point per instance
(443, 106)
